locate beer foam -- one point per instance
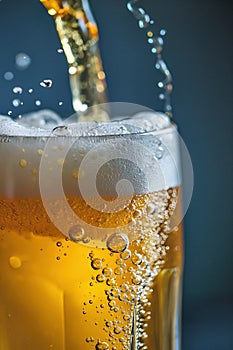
(140, 142)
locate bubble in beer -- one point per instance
(117, 330)
(16, 102)
(23, 163)
(97, 264)
(22, 60)
(46, 83)
(8, 76)
(100, 278)
(102, 346)
(76, 233)
(17, 90)
(61, 130)
(37, 102)
(15, 262)
(117, 242)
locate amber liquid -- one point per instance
(56, 293)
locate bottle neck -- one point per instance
(78, 34)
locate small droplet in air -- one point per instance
(46, 83)
(9, 112)
(37, 102)
(163, 32)
(160, 84)
(76, 233)
(16, 103)
(8, 76)
(22, 60)
(17, 90)
(117, 242)
(61, 130)
(161, 96)
(60, 50)
(60, 103)
(30, 91)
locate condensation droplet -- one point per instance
(22, 60)
(17, 90)
(15, 262)
(8, 76)
(46, 83)
(117, 242)
(61, 130)
(23, 163)
(76, 233)
(126, 254)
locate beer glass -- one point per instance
(90, 235)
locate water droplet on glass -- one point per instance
(8, 76)
(16, 103)
(46, 83)
(61, 130)
(76, 233)
(159, 152)
(117, 242)
(17, 90)
(22, 60)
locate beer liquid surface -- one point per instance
(63, 293)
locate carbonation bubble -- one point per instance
(102, 346)
(76, 233)
(46, 83)
(15, 262)
(59, 244)
(97, 264)
(117, 242)
(107, 272)
(23, 163)
(100, 278)
(22, 60)
(17, 90)
(61, 130)
(117, 330)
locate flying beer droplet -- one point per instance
(17, 90)
(22, 61)
(46, 83)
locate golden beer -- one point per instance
(78, 292)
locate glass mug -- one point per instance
(91, 248)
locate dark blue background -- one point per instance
(198, 48)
